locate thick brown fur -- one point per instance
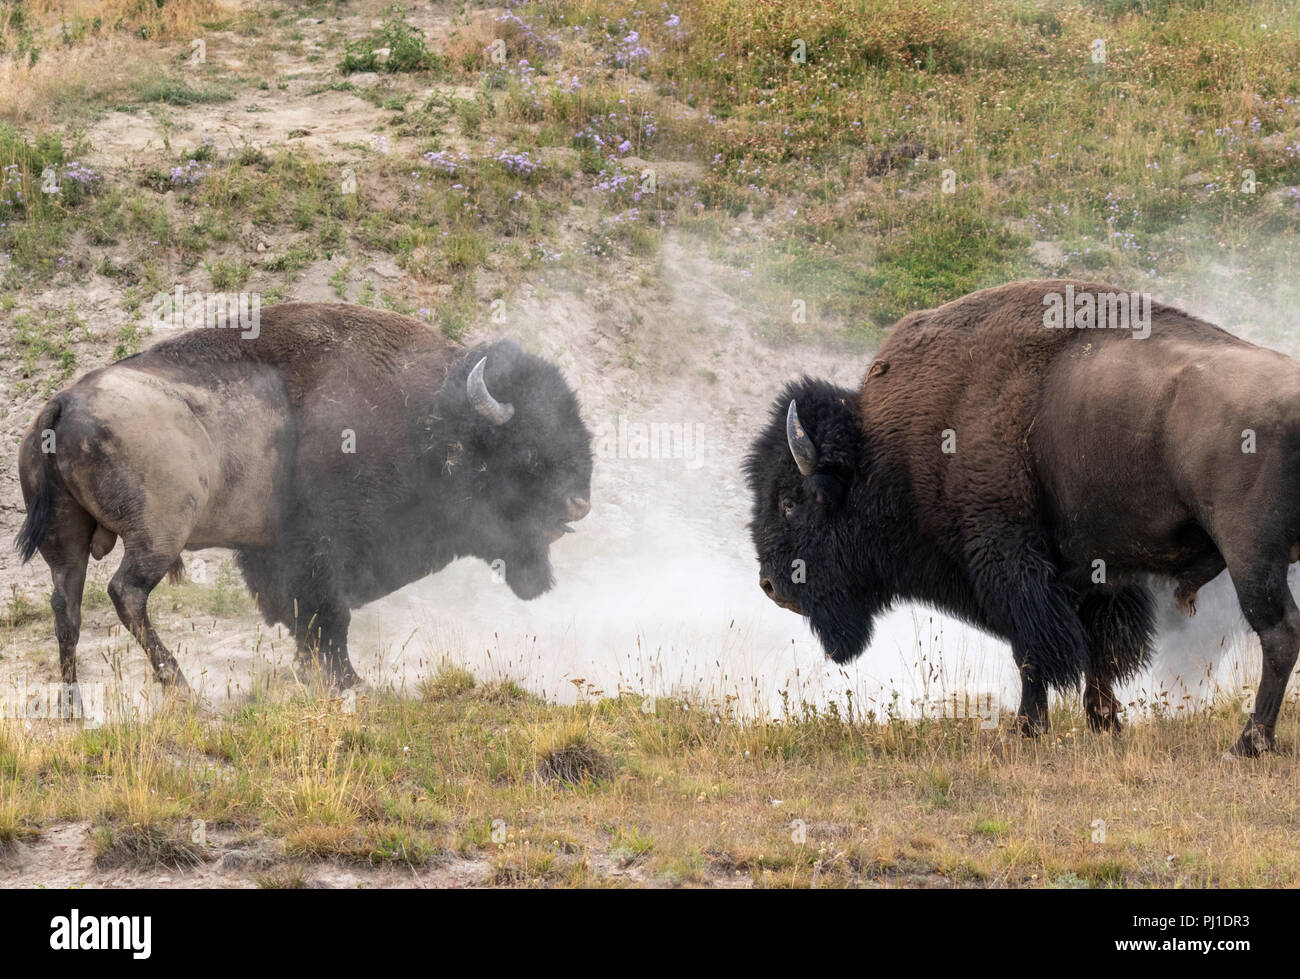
(1081, 461)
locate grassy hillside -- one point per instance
(807, 142)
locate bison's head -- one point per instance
(524, 460)
(803, 473)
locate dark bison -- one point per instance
(1024, 458)
(342, 453)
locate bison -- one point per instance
(342, 452)
(1026, 458)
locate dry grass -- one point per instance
(169, 21)
(685, 795)
(570, 754)
(92, 52)
(143, 847)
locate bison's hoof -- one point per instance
(1031, 727)
(1102, 721)
(173, 681)
(71, 708)
(1254, 741)
(351, 682)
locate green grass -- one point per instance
(1042, 143)
(947, 252)
(229, 274)
(447, 683)
(220, 598)
(407, 49)
(995, 828)
(835, 162)
(168, 89)
(21, 610)
(46, 344)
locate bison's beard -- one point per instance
(529, 573)
(844, 633)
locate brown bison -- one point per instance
(342, 452)
(1024, 458)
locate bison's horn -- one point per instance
(482, 400)
(801, 446)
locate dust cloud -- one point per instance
(657, 593)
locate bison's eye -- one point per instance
(787, 507)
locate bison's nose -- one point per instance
(578, 507)
(769, 590)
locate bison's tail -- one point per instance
(41, 506)
(176, 573)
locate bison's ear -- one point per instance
(828, 489)
(504, 354)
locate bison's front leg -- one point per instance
(1032, 714)
(1101, 706)
(1119, 624)
(322, 639)
(1022, 599)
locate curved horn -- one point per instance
(801, 445)
(482, 400)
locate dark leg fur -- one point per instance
(305, 604)
(1032, 715)
(320, 617)
(322, 636)
(1120, 625)
(1022, 599)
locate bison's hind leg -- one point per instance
(66, 549)
(1119, 624)
(1271, 611)
(141, 570)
